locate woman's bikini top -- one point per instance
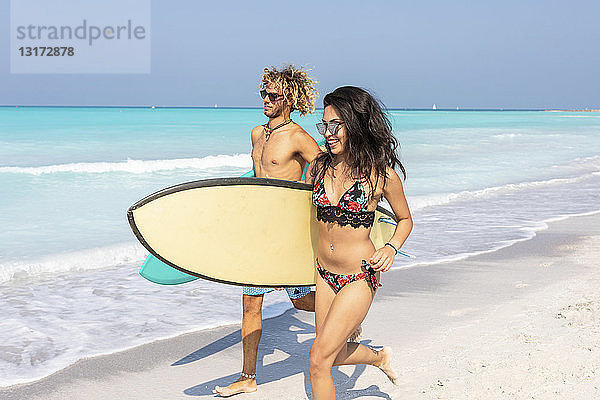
(350, 210)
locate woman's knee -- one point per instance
(319, 360)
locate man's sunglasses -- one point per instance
(272, 96)
(333, 127)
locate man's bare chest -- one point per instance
(275, 151)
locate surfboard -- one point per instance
(157, 271)
(240, 231)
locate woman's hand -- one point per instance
(382, 259)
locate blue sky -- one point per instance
(470, 54)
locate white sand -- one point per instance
(519, 323)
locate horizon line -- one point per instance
(317, 108)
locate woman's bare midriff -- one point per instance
(341, 249)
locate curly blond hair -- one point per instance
(298, 88)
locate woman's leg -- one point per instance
(324, 296)
(354, 353)
(345, 312)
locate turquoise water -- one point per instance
(477, 181)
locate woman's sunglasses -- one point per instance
(272, 96)
(333, 127)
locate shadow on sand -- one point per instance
(287, 334)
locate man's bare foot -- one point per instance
(386, 364)
(242, 385)
(356, 335)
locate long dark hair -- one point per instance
(370, 145)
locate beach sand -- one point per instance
(522, 322)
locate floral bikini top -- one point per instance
(350, 210)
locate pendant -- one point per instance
(331, 246)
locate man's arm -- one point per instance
(306, 146)
(255, 134)
(309, 178)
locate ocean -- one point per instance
(476, 181)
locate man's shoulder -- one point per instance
(298, 133)
(297, 129)
(256, 132)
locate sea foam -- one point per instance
(421, 202)
(138, 166)
(82, 260)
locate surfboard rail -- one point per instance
(204, 183)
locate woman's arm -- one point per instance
(393, 192)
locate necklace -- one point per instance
(268, 130)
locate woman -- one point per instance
(348, 181)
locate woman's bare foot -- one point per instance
(356, 335)
(385, 364)
(242, 385)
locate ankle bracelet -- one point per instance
(248, 376)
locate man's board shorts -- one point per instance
(293, 292)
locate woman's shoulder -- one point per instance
(392, 179)
(391, 173)
(380, 182)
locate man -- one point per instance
(280, 149)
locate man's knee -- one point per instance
(306, 303)
(252, 304)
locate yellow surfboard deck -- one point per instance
(241, 231)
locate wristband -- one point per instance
(392, 246)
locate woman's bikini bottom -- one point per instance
(338, 281)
